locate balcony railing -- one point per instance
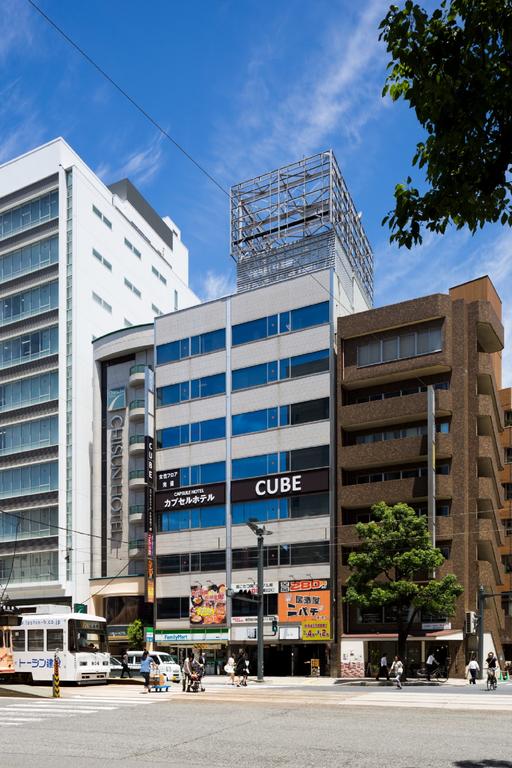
(135, 474)
(136, 544)
(136, 404)
(139, 368)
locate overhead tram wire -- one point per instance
(127, 96)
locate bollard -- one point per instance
(56, 676)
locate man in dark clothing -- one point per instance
(125, 667)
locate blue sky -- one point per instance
(244, 86)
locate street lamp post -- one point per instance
(260, 532)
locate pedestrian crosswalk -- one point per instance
(17, 711)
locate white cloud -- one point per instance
(15, 27)
(336, 91)
(216, 284)
(141, 166)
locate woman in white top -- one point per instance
(397, 670)
(229, 669)
(473, 668)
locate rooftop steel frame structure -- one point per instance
(297, 218)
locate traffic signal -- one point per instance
(274, 626)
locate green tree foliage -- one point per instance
(454, 68)
(392, 567)
(135, 634)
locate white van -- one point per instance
(167, 664)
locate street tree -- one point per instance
(393, 568)
(135, 632)
(453, 67)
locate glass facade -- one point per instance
(282, 416)
(207, 386)
(198, 432)
(191, 346)
(266, 510)
(32, 302)
(214, 472)
(29, 214)
(294, 320)
(29, 435)
(33, 566)
(29, 346)
(30, 391)
(27, 480)
(33, 523)
(285, 461)
(185, 519)
(30, 258)
(287, 368)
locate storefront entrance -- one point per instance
(288, 660)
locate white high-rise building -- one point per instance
(78, 259)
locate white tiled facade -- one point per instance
(306, 290)
(115, 265)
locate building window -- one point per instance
(159, 275)
(285, 415)
(212, 341)
(207, 386)
(42, 298)
(29, 435)
(192, 562)
(29, 391)
(30, 346)
(198, 432)
(368, 397)
(106, 306)
(132, 248)
(266, 510)
(187, 519)
(30, 258)
(101, 216)
(507, 563)
(424, 341)
(173, 607)
(30, 479)
(445, 548)
(418, 430)
(290, 367)
(507, 488)
(28, 215)
(508, 418)
(295, 320)
(379, 476)
(33, 523)
(213, 472)
(102, 259)
(507, 524)
(156, 311)
(132, 288)
(508, 455)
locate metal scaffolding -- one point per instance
(297, 218)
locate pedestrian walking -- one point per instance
(397, 670)
(187, 671)
(473, 669)
(229, 669)
(431, 664)
(240, 667)
(145, 670)
(124, 663)
(383, 668)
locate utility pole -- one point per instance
(260, 532)
(482, 596)
(431, 457)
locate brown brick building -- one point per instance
(386, 359)
(506, 515)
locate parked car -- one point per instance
(167, 664)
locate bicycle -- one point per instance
(439, 674)
(492, 682)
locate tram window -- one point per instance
(54, 640)
(35, 640)
(18, 639)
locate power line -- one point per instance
(127, 96)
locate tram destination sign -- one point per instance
(195, 496)
(285, 484)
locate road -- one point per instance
(261, 726)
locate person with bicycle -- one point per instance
(492, 667)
